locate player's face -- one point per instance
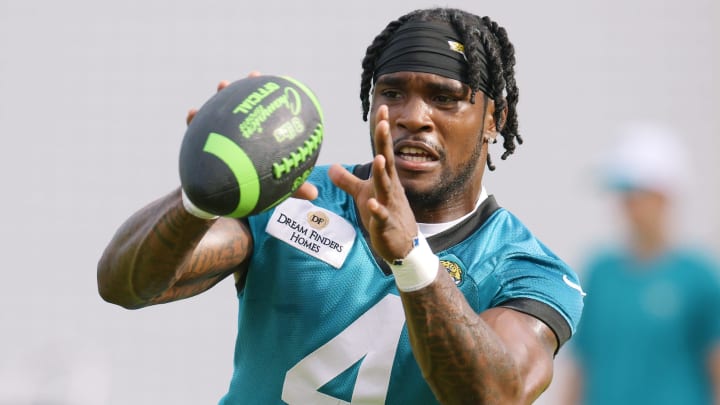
(437, 135)
(645, 212)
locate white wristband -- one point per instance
(418, 269)
(192, 209)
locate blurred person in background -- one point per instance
(650, 332)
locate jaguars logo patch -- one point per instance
(454, 270)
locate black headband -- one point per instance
(428, 47)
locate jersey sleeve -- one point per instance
(543, 287)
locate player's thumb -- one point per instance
(306, 191)
(344, 179)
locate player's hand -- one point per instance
(306, 191)
(223, 83)
(383, 206)
(220, 86)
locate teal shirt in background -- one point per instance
(647, 328)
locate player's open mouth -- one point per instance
(413, 154)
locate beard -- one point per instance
(453, 184)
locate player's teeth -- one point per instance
(414, 154)
(412, 150)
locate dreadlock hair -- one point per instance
(479, 35)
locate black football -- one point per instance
(251, 145)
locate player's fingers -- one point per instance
(379, 212)
(381, 180)
(254, 73)
(306, 191)
(383, 139)
(190, 115)
(345, 180)
(193, 111)
(222, 84)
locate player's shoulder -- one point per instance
(510, 235)
(503, 219)
(517, 252)
(696, 255)
(696, 262)
(522, 252)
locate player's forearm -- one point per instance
(461, 358)
(146, 255)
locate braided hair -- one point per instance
(477, 33)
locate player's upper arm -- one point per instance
(530, 343)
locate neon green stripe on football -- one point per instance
(309, 93)
(242, 168)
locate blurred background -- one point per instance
(93, 98)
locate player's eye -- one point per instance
(444, 99)
(389, 93)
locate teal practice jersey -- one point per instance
(320, 318)
(649, 327)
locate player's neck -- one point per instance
(429, 229)
(451, 210)
(648, 246)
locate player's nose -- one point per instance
(414, 115)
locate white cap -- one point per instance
(647, 156)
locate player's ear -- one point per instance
(491, 126)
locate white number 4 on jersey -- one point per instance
(374, 336)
